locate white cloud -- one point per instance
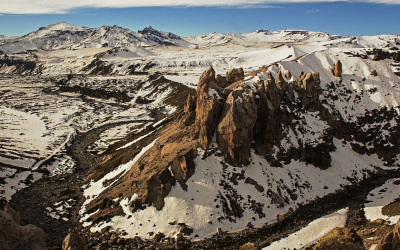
(53, 6)
(313, 11)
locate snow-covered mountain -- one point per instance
(262, 36)
(67, 36)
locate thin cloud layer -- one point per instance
(52, 6)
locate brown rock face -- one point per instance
(221, 80)
(272, 91)
(150, 177)
(392, 240)
(280, 82)
(73, 241)
(235, 75)
(235, 129)
(288, 75)
(337, 69)
(190, 105)
(208, 107)
(310, 84)
(183, 168)
(13, 236)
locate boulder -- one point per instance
(14, 237)
(74, 241)
(248, 246)
(234, 75)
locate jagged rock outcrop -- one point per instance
(221, 80)
(280, 82)
(272, 91)
(14, 236)
(150, 178)
(336, 69)
(74, 241)
(288, 75)
(391, 241)
(268, 127)
(236, 126)
(235, 75)
(190, 105)
(208, 107)
(310, 84)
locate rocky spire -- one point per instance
(208, 107)
(336, 69)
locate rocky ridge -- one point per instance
(235, 116)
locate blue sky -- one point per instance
(344, 18)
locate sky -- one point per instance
(199, 17)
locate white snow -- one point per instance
(380, 197)
(95, 188)
(197, 206)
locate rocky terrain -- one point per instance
(147, 140)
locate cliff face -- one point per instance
(240, 113)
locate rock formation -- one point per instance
(239, 117)
(310, 85)
(288, 75)
(235, 75)
(279, 81)
(208, 107)
(336, 69)
(236, 127)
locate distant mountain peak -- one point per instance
(59, 26)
